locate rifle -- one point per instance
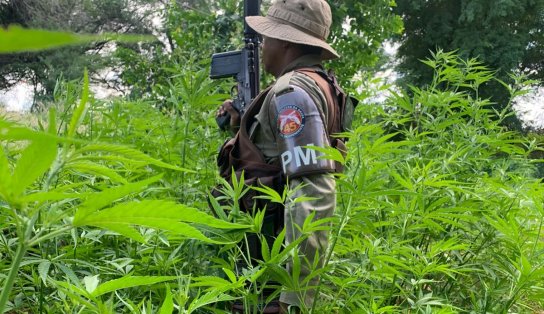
(243, 65)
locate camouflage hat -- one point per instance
(304, 22)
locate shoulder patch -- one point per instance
(291, 120)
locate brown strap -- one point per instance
(332, 102)
(243, 155)
(249, 151)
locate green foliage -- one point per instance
(505, 35)
(197, 30)
(444, 214)
(50, 173)
(17, 39)
(72, 21)
(193, 34)
(358, 32)
(104, 207)
(53, 175)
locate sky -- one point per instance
(19, 98)
(530, 108)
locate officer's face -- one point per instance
(272, 51)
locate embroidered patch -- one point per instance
(291, 121)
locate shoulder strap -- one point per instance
(282, 84)
(329, 90)
(248, 150)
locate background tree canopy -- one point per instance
(506, 35)
(358, 31)
(99, 16)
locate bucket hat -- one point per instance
(304, 22)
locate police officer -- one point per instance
(295, 112)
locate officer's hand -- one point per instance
(227, 107)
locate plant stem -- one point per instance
(55, 233)
(8, 284)
(537, 240)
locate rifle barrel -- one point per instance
(251, 8)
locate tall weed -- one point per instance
(444, 211)
(58, 182)
(104, 208)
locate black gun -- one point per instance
(243, 65)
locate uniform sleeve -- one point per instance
(298, 124)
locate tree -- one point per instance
(202, 27)
(43, 69)
(358, 32)
(193, 31)
(506, 35)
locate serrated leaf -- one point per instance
(127, 152)
(329, 153)
(79, 112)
(18, 39)
(281, 275)
(160, 210)
(95, 169)
(78, 293)
(405, 183)
(124, 230)
(128, 282)
(13, 131)
(217, 207)
(111, 159)
(5, 174)
(34, 162)
(102, 199)
(43, 270)
(210, 281)
(91, 282)
(168, 303)
(278, 243)
(69, 273)
(296, 266)
(52, 127)
(161, 215)
(277, 257)
(268, 193)
(209, 298)
(230, 274)
(121, 224)
(265, 250)
(51, 196)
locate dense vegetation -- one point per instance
(104, 205)
(506, 35)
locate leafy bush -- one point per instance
(59, 183)
(443, 214)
